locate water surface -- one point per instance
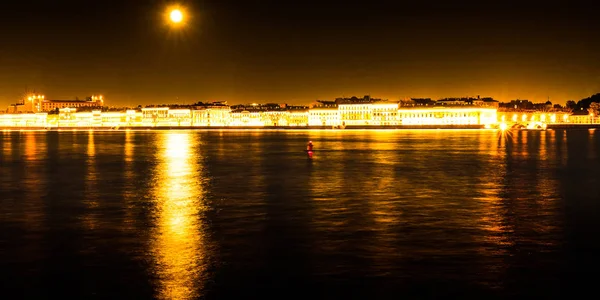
(376, 214)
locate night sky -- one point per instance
(299, 51)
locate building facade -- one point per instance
(448, 116)
(340, 113)
(324, 116)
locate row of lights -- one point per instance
(35, 97)
(41, 97)
(542, 117)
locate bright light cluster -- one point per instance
(35, 97)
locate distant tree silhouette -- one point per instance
(571, 104)
(594, 108)
(585, 103)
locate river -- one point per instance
(244, 214)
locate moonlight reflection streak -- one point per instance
(178, 248)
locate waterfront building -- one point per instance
(66, 117)
(246, 118)
(298, 117)
(324, 116)
(85, 119)
(325, 103)
(178, 117)
(132, 117)
(275, 118)
(524, 117)
(385, 113)
(358, 111)
(448, 116)
(417, 102)
(339, 113)
(582, 117)
(453, 101)
(20, 108)
(48, 105)
(155, 116)
(96, 117)
(113, 119)
(24, 120)
(355, 113)
(488, 102)
(28, 104)
(216, 114)
(467, 101)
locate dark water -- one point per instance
(244, 214)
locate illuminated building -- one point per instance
(384, 113)
(448, 116)
(155, 116)
(133, 117)
(340, 113)
(298, 117)
(24, 120)
(113, 119)
(179, 117)
(581, 117)
(29, 104)
(355, 113)
(467, 101)
(19, 108)
(275, 118)
(214, 114)
(540, 116)
(324, 116)
(48, 105)
(246, 118)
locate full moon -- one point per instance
(176, 16)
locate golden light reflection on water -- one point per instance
(384, 207)
(178, 238)
(129, 192)
(553, 155)
(543, 154)
(383, 210)
(491, 220)
(35, 146)
(91, 150)
(258, 149)
(7, 144)
(128, 146)
(531, 193)
(30, 146)
(35, 151)
(546, 188)
(592, 151)
(564, 153)
(90, 218)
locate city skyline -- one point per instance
(243, 53)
